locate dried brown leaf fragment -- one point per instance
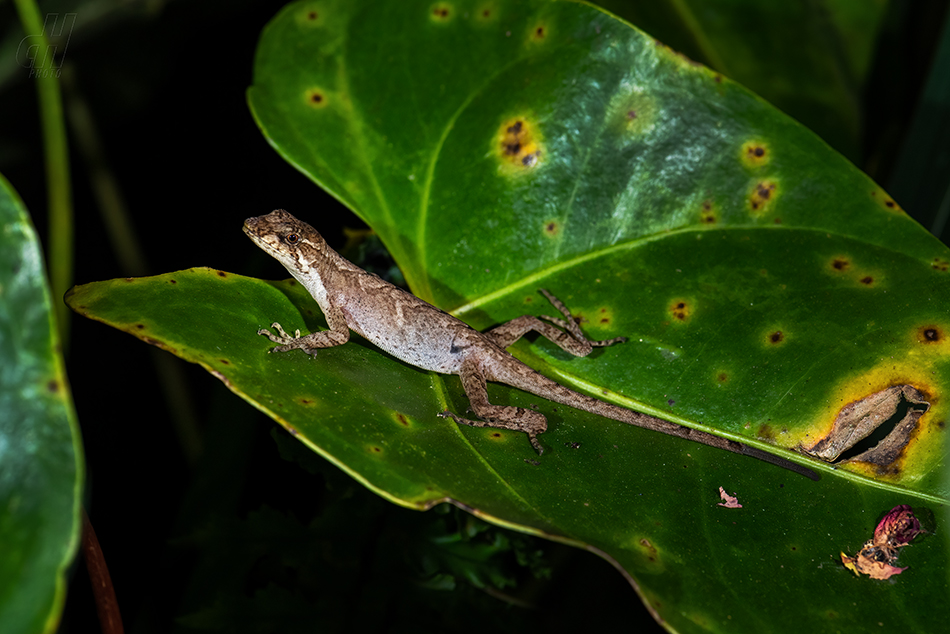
(876, 558)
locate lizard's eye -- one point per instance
(291, 238)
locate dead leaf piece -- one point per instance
(858, 420)
(874, 569)
(875, 559)
(728, 501)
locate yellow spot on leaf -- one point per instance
(886, 202)
(846, 269)
(519, 146)
(311, 14)
(650, 558)
(539, 33)
(315, 97)
(775, 337)
(761, 196)
(632, 112)
(840, 263)
(680, 310)
(932, 339)
(487, 12)
(441, 12)
(755, 154)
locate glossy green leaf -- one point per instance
(764, 282)
(645, 501)
(40, 455)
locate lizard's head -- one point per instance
(292, 242)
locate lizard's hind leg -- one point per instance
(570, 339)
(498, 416)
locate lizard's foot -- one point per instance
(569, 323)
(290, 342)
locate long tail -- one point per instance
(556, 392)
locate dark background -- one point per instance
(256, 535)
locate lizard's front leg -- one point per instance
(308, 343)
(338, 334)
(498, 416)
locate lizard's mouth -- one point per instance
(250, 228)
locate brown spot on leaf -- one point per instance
(648, 549)
(930, 334)
(762, 196)
(519, 145)
(221, 273)
(707, 213)
(402, 420)
(551, 228)
(52, 386)
(441, 12)
(539, 33)
(632, 113)
(776, 337)
(376, 449)
(867, 280)
(754, 154)
(765, 432)
(885, 201)
(680, 310)
(722, 377)
(840, 264)
(309, 17)
(315, 98)
(940, 265)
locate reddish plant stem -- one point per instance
(110, 621)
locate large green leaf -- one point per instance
(764, 282)
(40, 456)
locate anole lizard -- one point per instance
(420, 334)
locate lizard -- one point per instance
(429, 338)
